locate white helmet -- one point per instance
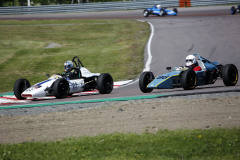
(190, 60)
(158, 6)
(68, 66)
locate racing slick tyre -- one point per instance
(189, 79)
(161, 13)
(144, 80)
(105, 83)
(233, 10)
(19, 87)
(61, 88)
(145, 13)
(175, 10)
(230, 75)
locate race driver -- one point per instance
(192, 62)
(70, 72)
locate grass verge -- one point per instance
(179, 144)
(112, 46)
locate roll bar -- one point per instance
(78, 65)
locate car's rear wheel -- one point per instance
(145, 13)
(189, 79)
(19, 87)
(61, 88)
(230, 75)
(144, 79)
(105, 83)
(233, 10)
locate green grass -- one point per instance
(211, 144)
(112, 46)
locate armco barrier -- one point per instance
(85, 7)
(212, 2)
(194, 3)
(108, 6)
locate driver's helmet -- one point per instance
(190, 60)
(68, 66)
(158, 6)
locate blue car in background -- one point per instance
(159, 11)
(235, 10)
(188, 79)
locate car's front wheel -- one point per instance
(144, 80)
(189, 79)
(105, 83)
(61, 88)
(145, 13)
(230, 75)
(19, 87)
(175, 10)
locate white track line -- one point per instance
(149, 60)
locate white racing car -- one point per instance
(60, 86)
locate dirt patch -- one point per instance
(126, 117)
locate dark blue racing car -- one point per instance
(235, 10)
(159, 11)
(187, 78)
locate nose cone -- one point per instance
(164, 81)
(34, 92)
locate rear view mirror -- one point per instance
(168, 68)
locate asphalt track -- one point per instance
(210, 31)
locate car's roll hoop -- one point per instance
(78, 64)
